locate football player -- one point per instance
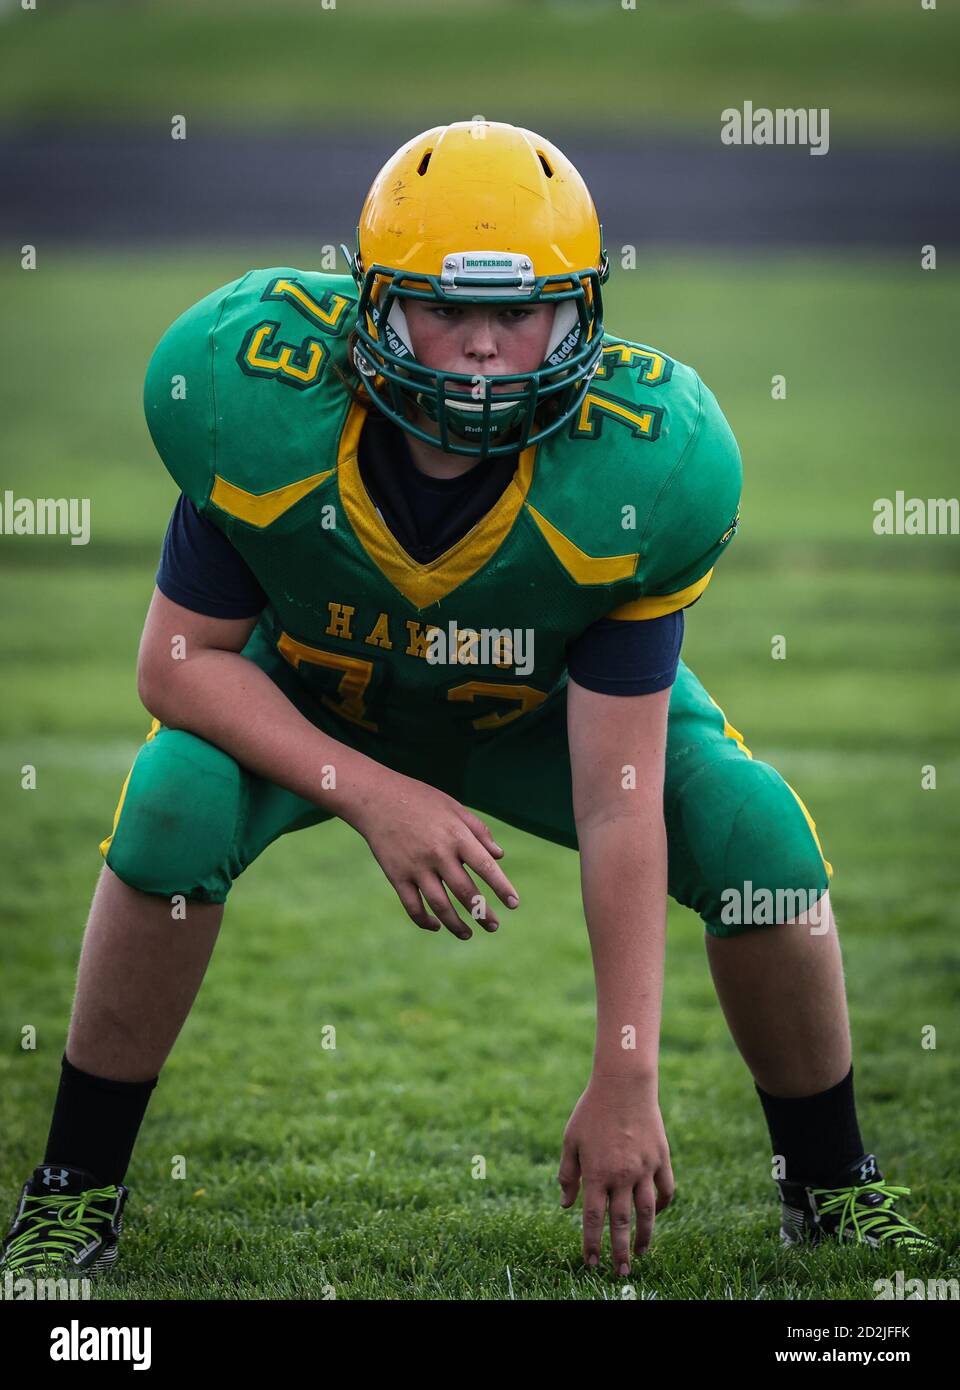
(436, 535)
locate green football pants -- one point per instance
(190, 819)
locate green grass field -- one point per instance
(886, 70)
(352, 1168)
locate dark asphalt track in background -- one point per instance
(105, 188)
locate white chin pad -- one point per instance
(477, 406)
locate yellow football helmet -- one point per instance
(479, 212)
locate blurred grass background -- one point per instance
(673, 64)
(353, 1166)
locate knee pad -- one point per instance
(749, 853)
(175, 829)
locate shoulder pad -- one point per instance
(242, 395)
(644, 482)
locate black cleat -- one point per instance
(859, 1207)
(64, 1223)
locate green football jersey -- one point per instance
(622, 513)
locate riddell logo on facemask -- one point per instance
(565, 348)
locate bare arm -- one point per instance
(421, 837)
(214, 692)
(614, 1141)
(618, 740)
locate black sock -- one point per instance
(817, 1136)
(95, 1123)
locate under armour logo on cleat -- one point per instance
(60, 1174)
(868, 1169)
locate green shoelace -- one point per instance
(877, 1219)
(47, 1240)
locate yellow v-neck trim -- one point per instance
(423, 585)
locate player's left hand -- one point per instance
(615, 1144)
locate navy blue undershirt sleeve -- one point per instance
(201, 570)
(615, 657)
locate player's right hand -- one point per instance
(424, 841)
